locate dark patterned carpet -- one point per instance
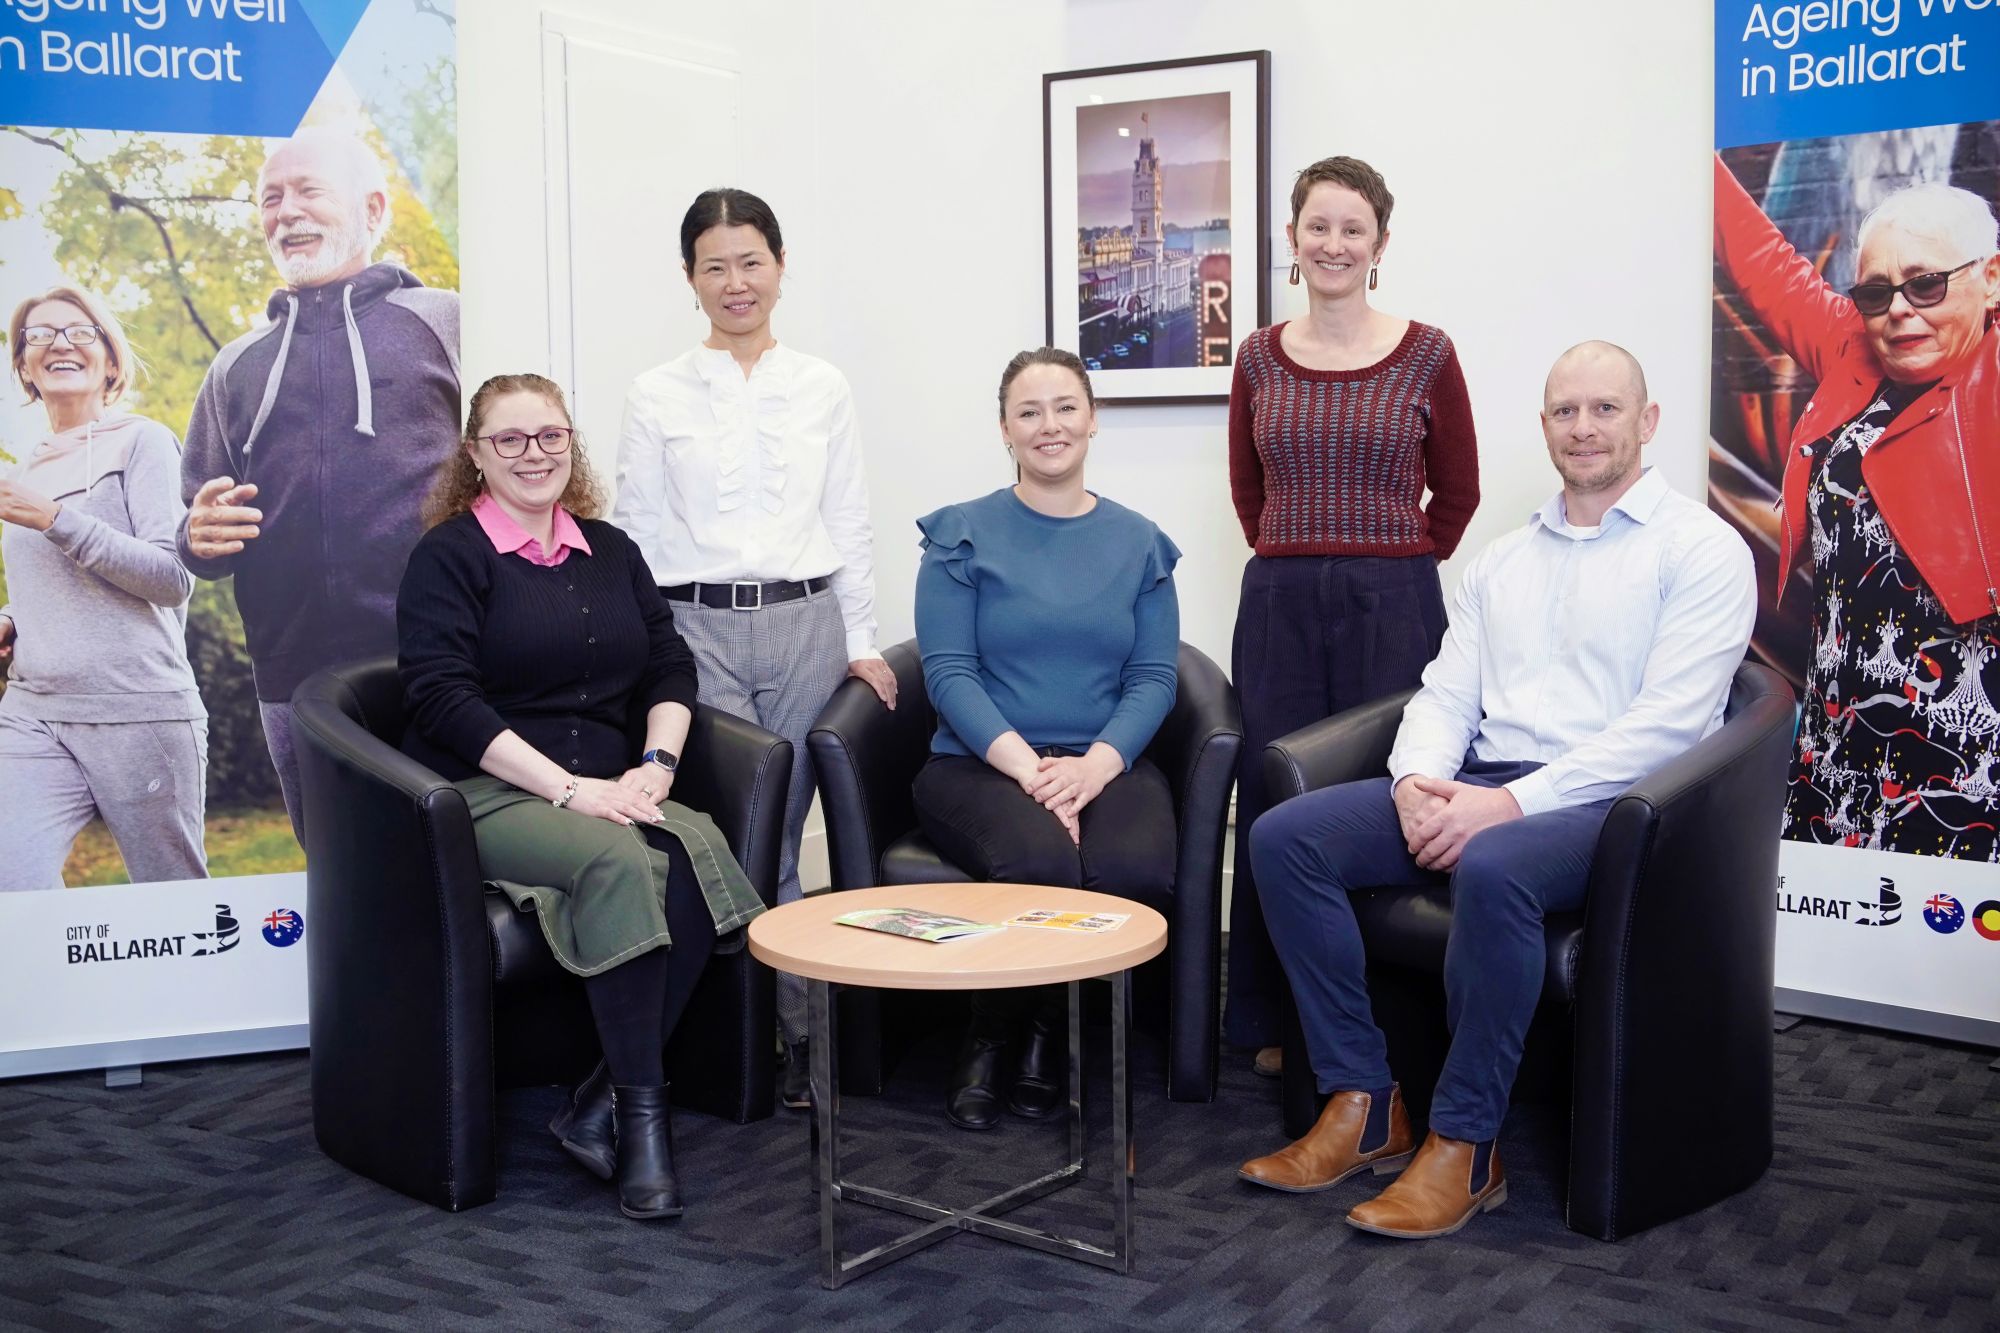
(199, 1201)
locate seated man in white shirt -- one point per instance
(1585, 650)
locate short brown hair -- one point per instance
(1352, 173)
(125, 365)
(458, 483)
(1045, 356)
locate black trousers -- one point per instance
(982, 821)
(637, 1004)
(1315, 635)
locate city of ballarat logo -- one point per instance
(93, 944)
(119, 951)
(223, 938)
(1944, 913)
(1888, 906)
(283, 927)
(1886, 909)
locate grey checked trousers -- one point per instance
(775, 667)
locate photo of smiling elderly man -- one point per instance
(314, 437)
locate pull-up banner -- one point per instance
(186, 66)
(1825, 67)
(230, 231)
(1854, 453)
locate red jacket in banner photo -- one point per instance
(1935, 472)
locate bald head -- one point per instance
(1597, 354)
(333, 156)
(324, 203)
(1596, 418)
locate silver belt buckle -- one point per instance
(736, 596)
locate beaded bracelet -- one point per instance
(569, 794)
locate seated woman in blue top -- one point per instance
(1050, 634)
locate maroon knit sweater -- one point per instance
(1335, 462)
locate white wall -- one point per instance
(1550, 164)
(1549, 159)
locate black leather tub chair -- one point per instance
(866, 757)
(1656, 1011)
(426, 993)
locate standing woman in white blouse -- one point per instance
(740, 478)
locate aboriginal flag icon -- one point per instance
(1986, 918)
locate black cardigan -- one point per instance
(570, 657)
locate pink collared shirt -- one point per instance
(508, 538)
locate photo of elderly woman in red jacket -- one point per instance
(1891, 496)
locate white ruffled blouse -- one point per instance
(724, 477)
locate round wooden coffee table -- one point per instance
(803, 939)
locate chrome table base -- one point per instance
(982, 1218)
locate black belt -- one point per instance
(746, 596)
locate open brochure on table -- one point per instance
(1089, 923)
(916, 925)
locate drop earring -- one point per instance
(1374, 277)
(1294, 279)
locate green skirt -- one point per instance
(598, 888)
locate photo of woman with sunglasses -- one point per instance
(101, 716)
(1891, 489)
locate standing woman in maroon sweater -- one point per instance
(1338, 423)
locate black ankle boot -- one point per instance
(795, 1088)
(1037, 1083)
(647, 1186)
(584, 1124)
(973, 1101)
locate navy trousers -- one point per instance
(1310, 851)
(1315, 635)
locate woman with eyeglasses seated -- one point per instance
(533, 648)
(101, 715)
(1050, 633)
(1892, 482)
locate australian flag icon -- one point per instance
(283, 927)
(222, 939)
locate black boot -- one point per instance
(1038, 1087)
(973, 1101)
(795, 1089)
(647, 1186)
(584, 1124)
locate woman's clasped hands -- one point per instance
(1065, 784)
(626, 801)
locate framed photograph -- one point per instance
(1156, 184)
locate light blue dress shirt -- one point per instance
(1601, 653)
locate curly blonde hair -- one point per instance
(458, 483)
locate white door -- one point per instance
(637, 124)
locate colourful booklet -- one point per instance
(908, 921)
(1090, 923)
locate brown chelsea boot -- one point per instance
(1435, 1196)
(1331, 1150)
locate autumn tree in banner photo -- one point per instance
(166, 228)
